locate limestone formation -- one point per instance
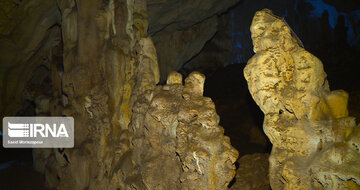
(315, 142)
(177, 142)
(92, 60)
(106, 62)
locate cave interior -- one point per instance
(57, 56)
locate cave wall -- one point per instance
(181, 31)
(26, 50)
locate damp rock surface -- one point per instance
(315, 142)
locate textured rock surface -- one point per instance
(107, 62)
(252, 173)
(177, 142)
(91, 60)
(315, 142)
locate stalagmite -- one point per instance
(177, 142)
(315, 142)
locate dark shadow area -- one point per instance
(241, 118)
(17, 172)
(16, 164)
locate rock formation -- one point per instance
(315, 142)
(107, 62)
(92, 60)
(177, 142)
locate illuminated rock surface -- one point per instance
(315, 142)
(107, 63)
(177, 142)
(95, 60)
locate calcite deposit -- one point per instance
(177, 142)
(315, 142)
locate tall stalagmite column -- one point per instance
(106, 59)
(315, 142)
